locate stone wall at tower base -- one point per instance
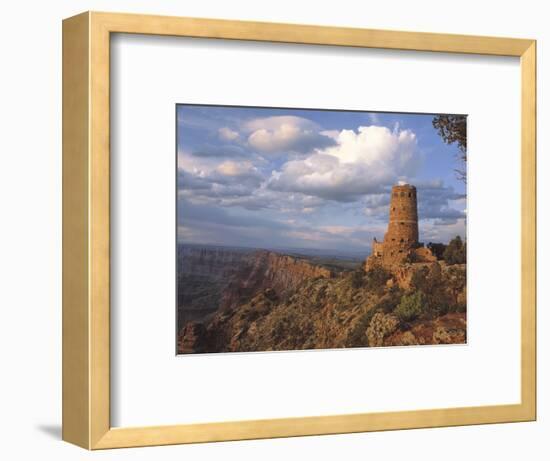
(423, 254)
(389, 259)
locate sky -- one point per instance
(312, 179)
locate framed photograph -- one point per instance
(276, 230)
(278, 213)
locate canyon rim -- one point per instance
(304, 229)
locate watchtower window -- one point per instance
(409, 194)
(393, 209)
(402, 240)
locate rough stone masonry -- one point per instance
(400, 244)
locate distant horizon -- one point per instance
(310, 179)
(360, 253)
(266, 247)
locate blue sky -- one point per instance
(293, 178)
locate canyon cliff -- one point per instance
(203, 276)
(264, 300)
(218, 278)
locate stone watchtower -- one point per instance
(403, 226)
(400, 243)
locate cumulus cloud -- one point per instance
(230, 171)
(376, 146)
(360, 163)
(227, 134)
(285, 134)
(307, 184)
(193, 181)
(229, 179)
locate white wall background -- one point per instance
(30, 231)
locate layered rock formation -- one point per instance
(213, 278)
(214, 262)
(203, 276)
(268, 270)
(278, 302)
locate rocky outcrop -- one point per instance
(405, 274)
(423, 254)
(380, 327)
(192, 338)
(385, 330)
(447, 329)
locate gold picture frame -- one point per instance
(86, 231)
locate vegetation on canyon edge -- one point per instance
(278, 302)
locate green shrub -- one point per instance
(455, 253)
(421, 280)
(439, 309)
(358, 278)
(460, 307)
(411, 306)
(357, 336)
(376, 278)
(389, 301)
